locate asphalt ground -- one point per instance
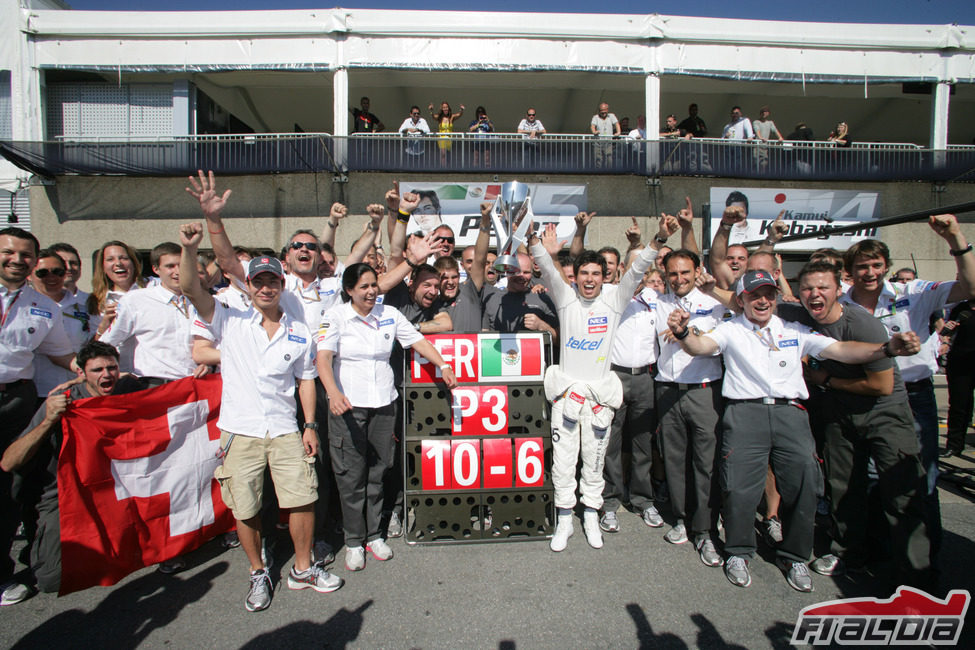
(638, 591)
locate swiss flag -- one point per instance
(135, 480)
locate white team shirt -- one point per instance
(908, 307)
(673, 364)
(79, 326)
(314, 300)
(766, 361)
(31, 323)
(362, 347)
(159, 322)
(259, 373)
(587, 327)
(635, 342)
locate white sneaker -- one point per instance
(590, 526)
(380, 549)
(355, 558)
(563, 531)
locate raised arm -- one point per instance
(634, 275)
(579, 238)
(402, 207)
(776, 231)
(902, 344)
(335, 216)
(685, 216)
(190, 236)
(477, 272)
(368, 236)
(417, 253)
(946, 227)
(204, 190)
(723, 275)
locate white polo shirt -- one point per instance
(767, 361)
(80, 326)
(159, 322)
(635, 343)
(314, 300)
(362, 347)
(908, 307)
(31, 322)
(673, 364)
(259, 373)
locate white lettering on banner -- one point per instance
(461, 360)
(184, 470)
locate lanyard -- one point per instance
(770, 342)
(6, 312)
(180, 303)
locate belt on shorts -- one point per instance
(920, 384)
(642, 370)
(10, 386)
(768, 401)
(682, 387)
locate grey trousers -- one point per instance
(755, 436)
(689, 431)
(361, 447)
(634, 421)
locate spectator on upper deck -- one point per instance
(672, 130)
(841, 135)
(739, 128)
(530, 126)
(363, 121)
(764, 126)
(694, 124)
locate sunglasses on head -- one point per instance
(43, 273)
(298, 245)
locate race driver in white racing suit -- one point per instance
(583, 391)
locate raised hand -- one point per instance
(409, 201)
(190, 235)
(633, 233)
(944, 225)
(338, 211)
(392, 198)
(668, 226)
(733, 214)
(685, 216)
(550, 240)
(583, 218)
(375, 211)
(204, 190)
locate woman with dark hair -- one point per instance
(445, 125)
(355, 341)
(481, 127)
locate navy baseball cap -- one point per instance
(752, 280)
(260, 265)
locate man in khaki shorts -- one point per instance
(264, 352)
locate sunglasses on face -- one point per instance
(298, 245)
(43, 273)
(449, 240)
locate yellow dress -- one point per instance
(446, 128)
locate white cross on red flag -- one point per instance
(135, 480)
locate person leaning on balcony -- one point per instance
(531, 127)
(363, 121)
(414, 126)
(841, 135)
(764, 127)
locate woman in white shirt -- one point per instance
(355, 342)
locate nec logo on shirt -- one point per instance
(297, 339)
(583, 344)
(905, 302)
(703, 312)
(384, 323)
(40, 312)
(789, 343)
(598, 325)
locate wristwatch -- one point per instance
(311, 425)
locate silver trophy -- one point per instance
(511, 215)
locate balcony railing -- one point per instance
(493, 153)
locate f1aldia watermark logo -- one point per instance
(910, 616)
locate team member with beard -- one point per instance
(863, 414)
(582, 387)
(463, 299)
(518, 307)
(763, 421)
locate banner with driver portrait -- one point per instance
(802, 210)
